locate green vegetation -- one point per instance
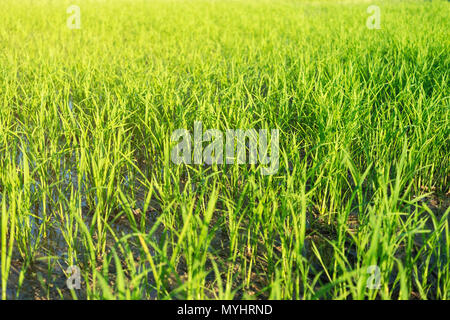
(86, 179)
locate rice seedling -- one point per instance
(357, 208)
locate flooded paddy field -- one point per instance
(96, 204)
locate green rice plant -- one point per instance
(358, 208)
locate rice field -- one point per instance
(355, 102)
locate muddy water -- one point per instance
(45, 276)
